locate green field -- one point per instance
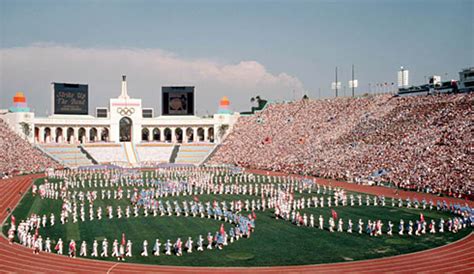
(274, 242)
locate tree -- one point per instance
(26, 128)
(222, 130)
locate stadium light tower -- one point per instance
(336, 85)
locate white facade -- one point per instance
(88, 129)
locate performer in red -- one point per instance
(72, 249)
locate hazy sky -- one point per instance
(234, 48)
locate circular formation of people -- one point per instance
(154, 193)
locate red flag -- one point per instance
(222, 230)
(254, 216)
(422, 218)
(334, 214)
(123, 238)
(56, 247)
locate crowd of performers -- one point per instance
(243, 228)
(146, 195)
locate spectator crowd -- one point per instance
(423, 143)
(18, 156)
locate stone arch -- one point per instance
(82, 135)
(47, 134)
(70, 134)
(210, 134)
(190, 134)
(167, 134)
(37, 133)
(92, 134)
(125, 131)
(104, 136)
(200, 134)
(145, 134)
(59, 135)
(156, 134)
(178, 132)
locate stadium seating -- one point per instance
(106, 153)
(193, 153)
(154, 152)
(19, 156)
(66, 154)
(420, 143)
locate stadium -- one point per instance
(305, 185)
(236, 136)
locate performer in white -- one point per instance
(83, 252)
(168, 247)
(156, 248)
(47, 243)
(105, 246)
(200, 243)
(95, 246)
(189, 245)
(145, 249)
(115, 251)
(129, 249)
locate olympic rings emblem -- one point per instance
(126, 111)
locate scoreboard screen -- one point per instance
(71, 99)
(177, 100)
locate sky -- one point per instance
(276, 49)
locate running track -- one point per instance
(457, 257)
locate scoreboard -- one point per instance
(177, 100)
(71, 99)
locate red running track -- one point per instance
(457, 257)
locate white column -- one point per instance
(99, 134)
(150, 134)
(41, 134)
(162, 134)
(64, 135)
(206, 134)
(173, 135)
(185, 136)
(195, 133)
(87, 134)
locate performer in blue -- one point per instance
(231, 234)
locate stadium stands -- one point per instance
(106, 153)
(66, 154)
(422, 143)
(19, 156)
(193, 153)
(154, 153)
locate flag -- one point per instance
(56, 247)
(334, 214)
(254, 216)
(222, 230)
(422, 218)
(123, 238)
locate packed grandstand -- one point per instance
(19, 156)
(423, 143)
